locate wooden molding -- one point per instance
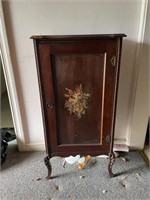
(10, 82)
(140, 40)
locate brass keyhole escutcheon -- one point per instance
(108, 138)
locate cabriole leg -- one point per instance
(111, 163)
(48, 165)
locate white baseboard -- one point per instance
(147, 152)
(120, 141)
(34, 147)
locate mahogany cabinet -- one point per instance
(78, 82)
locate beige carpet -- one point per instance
(23, 177)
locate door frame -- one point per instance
(10, 83)
(131, 135)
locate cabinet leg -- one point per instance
(110, 165)
(48, 165)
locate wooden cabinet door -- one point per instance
(90, 69)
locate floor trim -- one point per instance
(144, 156)
(34, 146)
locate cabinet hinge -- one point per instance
(113, 61)
(108, 138)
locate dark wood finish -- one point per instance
(77, 37)
(65, 62)
(48, 165)
(111, 163)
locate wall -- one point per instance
(30, 17)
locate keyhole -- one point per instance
(50, 105)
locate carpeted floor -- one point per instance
(23, 177)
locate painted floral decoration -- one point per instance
(77, 101)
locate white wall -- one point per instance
(30, 17)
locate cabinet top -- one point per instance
(77, 37)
